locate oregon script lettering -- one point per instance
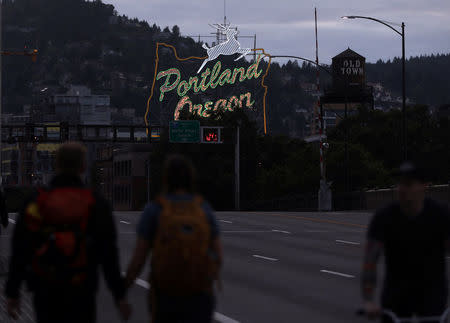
(210, 79)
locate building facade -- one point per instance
(122, 175)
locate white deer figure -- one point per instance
(229, 47)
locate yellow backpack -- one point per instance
(182, 262)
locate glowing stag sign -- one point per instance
(229, 47)
(191, 84)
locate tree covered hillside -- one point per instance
(89, 43)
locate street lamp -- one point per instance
(402, 34)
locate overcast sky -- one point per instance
(286, 27)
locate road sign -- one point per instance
(186, 131)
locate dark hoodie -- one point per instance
(104, 252)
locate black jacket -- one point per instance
(3, 212)
(104, 252)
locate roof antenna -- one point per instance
(224, 12)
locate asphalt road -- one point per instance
(279, 267)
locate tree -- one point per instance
(176, 31)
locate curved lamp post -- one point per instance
(402, 34)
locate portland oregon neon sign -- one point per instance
(220, 87)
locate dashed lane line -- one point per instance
(225, 221)
(348, 224)
(247, 231)
(348, 242)
(281, 231)
(125, 222)
(142, 283)
(223, 319)
(265, 258)
(336, 273)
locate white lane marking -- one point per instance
(281, 231)
(217, 316)
(246, 231)
(265, 258)
(142, 283)
(337, 274)
(348, 242)
(223, 319)
(125, 222)
(224, 221)
(12, 221)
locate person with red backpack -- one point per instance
(180, 231)
(61, 238)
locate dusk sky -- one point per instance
(287, 26)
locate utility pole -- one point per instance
(1, 97)
(404, 124)
(237, 179)
(254, 49)
(346, 140)
(324, 195)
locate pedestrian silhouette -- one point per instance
(4, 221)
(3, 212)
(61, 238)
(414, 235)
(180, 232)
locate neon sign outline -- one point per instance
(158, 44)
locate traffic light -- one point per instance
(211, 135)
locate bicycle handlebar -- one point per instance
(441, 319)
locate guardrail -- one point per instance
(55, 133)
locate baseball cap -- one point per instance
(411, 170)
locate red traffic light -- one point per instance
(211, 135)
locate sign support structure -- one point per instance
(324, 195)
(237, 177)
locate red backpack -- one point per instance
(58, 220)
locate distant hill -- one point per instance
(90, 43)
(427, 77)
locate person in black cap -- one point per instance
(4, 220)
(3, 212)
(414, 235)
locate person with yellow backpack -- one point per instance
(181, 233)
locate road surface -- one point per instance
(279, 267)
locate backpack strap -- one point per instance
(33, 217)
(198, 199)
(162, 201)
